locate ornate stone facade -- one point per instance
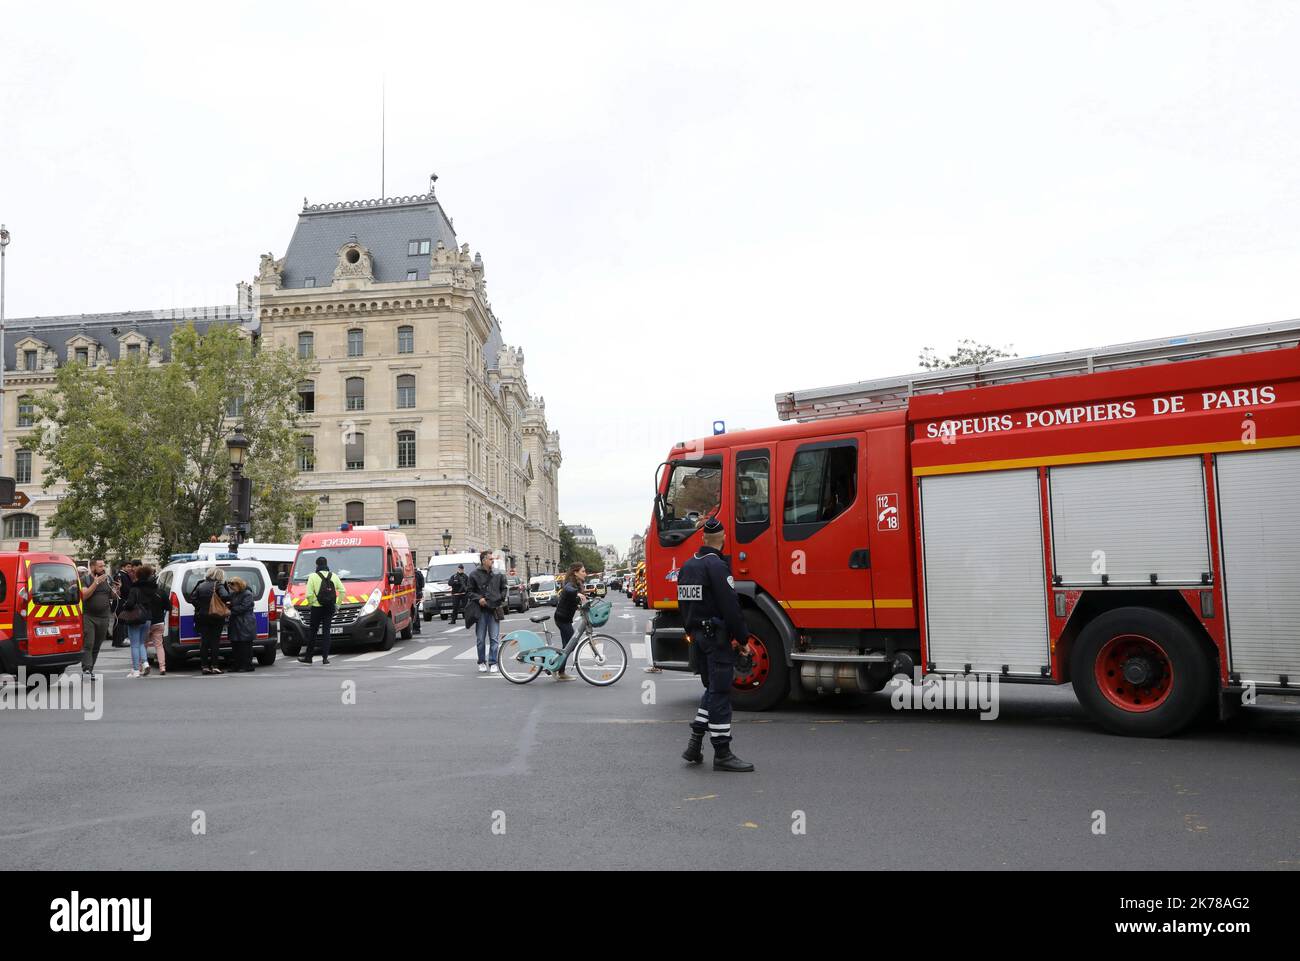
(416, 412)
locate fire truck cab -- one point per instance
(40, 612)
(1124, 519)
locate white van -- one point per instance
(437, 593)
(277, 558)
(179, 578)
(542, 589)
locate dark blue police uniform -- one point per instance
(711, 614)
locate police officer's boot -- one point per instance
(724, 760)
(693, 754)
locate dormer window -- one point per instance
(309, 282)
(132, 350)
(29, 360)
(412, 275)
(415, 248)
(83, 356)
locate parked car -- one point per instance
(517, 594)
(179, 578)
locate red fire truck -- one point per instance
(1125, 519)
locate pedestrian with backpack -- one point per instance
(323, 590)
(211, 601)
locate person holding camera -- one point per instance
(97, 614)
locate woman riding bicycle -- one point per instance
(571, 598)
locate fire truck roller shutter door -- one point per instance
(1129, 520)
(985, 590)
(1259, 516)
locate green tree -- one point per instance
(568, 548)
(142, 450)
(967, 354)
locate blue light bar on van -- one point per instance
(178, 558)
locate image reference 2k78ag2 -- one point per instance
(1125, 519)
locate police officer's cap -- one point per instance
(713, 526)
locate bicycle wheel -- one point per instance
(512, 669)
(600, 660)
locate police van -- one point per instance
(184, 572)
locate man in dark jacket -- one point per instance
(486, 600)
(417, 612)
(459, 584)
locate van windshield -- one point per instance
(55, 584)
(349, 563)
(440, 573)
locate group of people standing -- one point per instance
(130, 605)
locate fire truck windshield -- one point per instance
(694, 491)
(349, 563)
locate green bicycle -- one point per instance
(598, 658)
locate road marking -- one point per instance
(470, 655)
(433, 650)
(453, 630)
(372, 655)
(638, 651)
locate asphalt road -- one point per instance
(436, 766)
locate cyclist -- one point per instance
(571, 599)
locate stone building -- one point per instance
(415, 412)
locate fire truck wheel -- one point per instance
(390, 635)
(768, 681)
(1140, 672)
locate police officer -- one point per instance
(711, 612)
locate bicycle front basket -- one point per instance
(598, 613)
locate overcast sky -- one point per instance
(683, 209)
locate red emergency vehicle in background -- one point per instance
(40, 612)
(378, 599)
(1125, 519)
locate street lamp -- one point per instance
(237, 447)
(446, 541)
(4, 242)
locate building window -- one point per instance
(412, 275)
(406, 340)
(23, 466)
(406, 513)
(355, 513)
(309, 282)
(306, 453)
(306, 521)
(416, 247)
(307, 397)
(406, 448)
(29, 360)
(306, 345)
(26, 412)
(356, 342)
(23, 525)
(83, 355)
(355, 453)
(235, 407)
(406, 391)
(355, 389)
(132, 350)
